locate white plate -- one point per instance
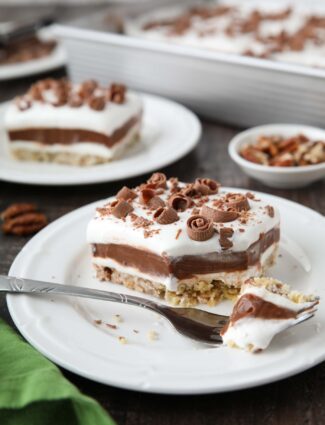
(64, 329)
(54, 60)
(169, 132)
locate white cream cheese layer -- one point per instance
(44, 115)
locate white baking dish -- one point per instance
(235, 89)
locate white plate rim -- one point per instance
(14, 270)
(192, 138)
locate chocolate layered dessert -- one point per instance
(25, 50)
(187, 243)
(269, 30)
(76, 124)
(264, 308)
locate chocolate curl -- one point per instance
(237, 201)
(117, 93)
(199, 228)
(97, 103)
(207, 186)
(158, 180)
(180, 202)
(165, 215)
(36, 92)
(146, 195)
(155, 203)
(87, 88)
(126, 193)
(219, 215)
(191, 191)
(121, 208)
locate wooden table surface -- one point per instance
(299, 400)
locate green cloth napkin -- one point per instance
(34, 391)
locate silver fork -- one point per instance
(191, 322)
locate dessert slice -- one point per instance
(77, 124)
(264, 308)
(186, 243)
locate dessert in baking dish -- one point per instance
(269, 30)
(264, 308)
(186, 243)
(77, 124)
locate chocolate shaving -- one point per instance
(158, 180)
(126, 194)
(199, 228)
(270, 210)
(207, 186)
(165, 215)
(221, 214)
(225, 233)
(237, 201)
(121, 208)
(141, 222)
(180, 202)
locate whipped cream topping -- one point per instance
(45, 115)
(215, 32)
(172, 239)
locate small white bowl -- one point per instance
(279, 177)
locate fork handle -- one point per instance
(12, 285)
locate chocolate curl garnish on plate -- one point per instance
(207, 186)
(165, 215)
(121, 208)
(180, 202)
(237, 201)
(199, 228)
(221, 214)
(126, 194)
(158, 180)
